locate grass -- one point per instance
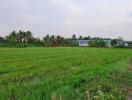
(65, 73)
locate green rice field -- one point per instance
(65, 73)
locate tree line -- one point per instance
(19, 39)
(26, 39)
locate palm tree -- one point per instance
(46, 40)
(74, 37)
(24, 37)
(59, 40)
(80, 38)
(20, 36)
(12, 37)
(28, 36)
(52, 40)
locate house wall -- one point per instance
(83, 44)
(126, 44)
(108, 44)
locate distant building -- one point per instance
(129, 44)
(126, 44)
(83, 43)
(108, 43)
(122, 43)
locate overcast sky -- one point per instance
(104, 18)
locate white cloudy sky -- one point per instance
(104, 18)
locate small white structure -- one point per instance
(126, 44)
(83, 43)
(108, 43)
(122, 43)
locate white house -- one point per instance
(126, 44)
(108, 43)
(83, 43)
(122, 43)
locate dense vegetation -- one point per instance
(20, 39)
(26, 39)
(65, 73)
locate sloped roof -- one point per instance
(83, 40)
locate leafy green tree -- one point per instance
(87, 38)
(53, 41)
(80, 37)
(36, 42)
(97, 42)
(101, 43)
(92, 43)
(29, 36)
(74, 37)
(46, 41)
(12, 38)
(60, 41)
(24, 37)
(2, 40)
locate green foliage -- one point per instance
(20, 39)
(26, 39)
(57, 41)
(97, 43)
(74, 37)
